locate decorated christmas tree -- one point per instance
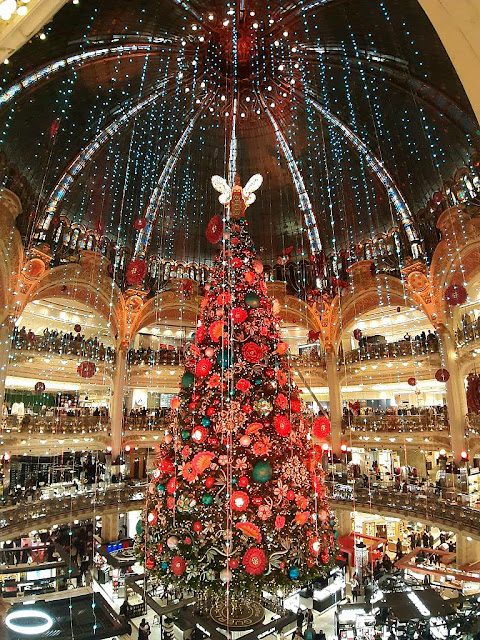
(236, 497)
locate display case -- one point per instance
(329, 592)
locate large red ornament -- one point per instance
(165, 465)
(199, 434)
(140, 223)
(78, 328)
(243, 385)
(197, 526)
(412, 381)
(455, 294)
(40, 387)
(321, 427)
(238, 315)
(150, 562)
(152, 518)
(252, 352)
(178, 565)
(86, 369)
(136, 272)
(209, 482)
(255, 561)
(282, 426)
(357, 334)
(239, 500)
(214, 230)
(314, 546)
(203, 368)
(442, 375)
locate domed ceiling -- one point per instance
(350, 109)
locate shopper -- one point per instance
(321, 635)
(309, 618)
(300, 618)
(143, 630)
(355, 586)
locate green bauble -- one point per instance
(139, 527)
(252, 300)
(185, 434)
(187, 379)
(262, 406)
(207, 500)
(261, 472)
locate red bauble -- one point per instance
(136, 272)
(86, 369)
(150, 562)
(238, 315)
(152, 518)
(281, 401)
(210, 412)
(213, 441)
(243, 482)
(255, 561)
(209, 482)
(165, 465)
(257, 501)
(203, 368)
(40, 387)
(35, 267)
(160, 548)
(243, 385)
(282, 426)
(412, 381)
(270, 373)
(233, 563)
(247, 408)
(78, 328)
(314, 547)
(200, 334)
(178, 565)
(442, 375)
(197, 526)
(171, 486)
(455, 294)
(192, 406)
(140, 223)
(239, 500)
(279, 522)
(321, 427)
(290, 495)
(214, 230)
(188, 540)
(199, 434)
(357, 334)
(252, 352)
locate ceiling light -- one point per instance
(22, 10)
(226, 23)
(285, 34)
(255, 25)
(42, 36)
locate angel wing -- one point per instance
(250, 199)
(252, 185)
(220, 185)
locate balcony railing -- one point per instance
(396, 423)
(63, 344)
(425, 505)
(468, 333)
(399, 349)
(55, 424)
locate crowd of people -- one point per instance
(61, 342)
(167, 354)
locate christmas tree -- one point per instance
(236, 496)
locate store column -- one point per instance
(116, 399)
(456, 395)
(6, 332)
(344, 521)
(468, 550)
(110, 527)
(333, 382)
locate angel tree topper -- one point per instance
(236, 198)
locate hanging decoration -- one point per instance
(321, 427)
(40, 387)
(442, 375)
(412, 381)
(140, 223)
(214, 230)
(78, 328)
(455, 294)
(136, 272)
(86, 369)
(357, 334)
(473, 392)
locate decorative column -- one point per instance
(116, 399)
(456, 396)
(333, 383)
(6, 331)
(344, 521)
(110, 527)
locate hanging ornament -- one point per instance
(262, 472)
(214, 230)
(239, 500)
(152, 518)
(187, 379)
(252, 300)
(78, 328)
(203, 368)
(140, 223)
(455, 295)
(35, 267)
(86, 369)
(225, 575)
(442, 375)
(282, 426)
(178, 565)
(175, 403)
(136, 272)
(252, 352)
(473, 392)
(40, 387)
(412, 381)
(255, 561)
(150, 562)
(357, 334)
(321, 427)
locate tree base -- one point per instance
(241, 613)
